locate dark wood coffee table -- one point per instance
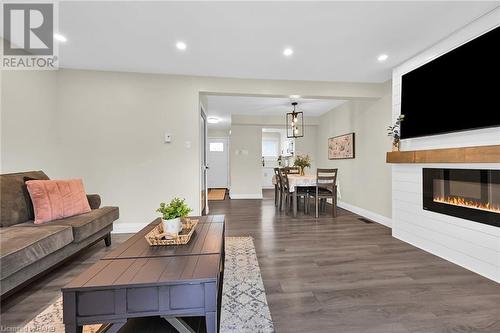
(137, 280)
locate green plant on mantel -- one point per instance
(394, 131)
(176, 208)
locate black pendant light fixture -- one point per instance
(294, 123)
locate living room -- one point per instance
(123, 121)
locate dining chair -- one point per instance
(326, 187)
(285, 193)
(288, 196)
(277, 188)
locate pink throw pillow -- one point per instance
(57, 199)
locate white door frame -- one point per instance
(203, 160)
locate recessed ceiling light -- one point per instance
(287, 52)
(180, 45)
(382, 57)
(60, 38)
(213, 120)
(294, 96)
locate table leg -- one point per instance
(69, 313)
(211, 322)
(112, 327)
(179, 324)
(73, 328)
(294, 203)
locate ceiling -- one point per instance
(332, 41)
(222, 107)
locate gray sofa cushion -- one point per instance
(15, 202)
(85, 225)
(24, 245)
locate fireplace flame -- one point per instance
(458, 201)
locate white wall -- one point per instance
(246, 166)
(470, 244)
(305, 145)
(217, 132)
(308, 145)
(28, 123)
(364, 182)
(108, 127)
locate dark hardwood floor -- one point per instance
(344, 275)
(24, 305)
(326, 275)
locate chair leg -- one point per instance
(287, 203)
(306, 204)
(334, 206)
(276, 195)
(283, 201)
(317, 206)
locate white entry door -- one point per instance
(218, 163)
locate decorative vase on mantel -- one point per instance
(302, 173)
(395, 145)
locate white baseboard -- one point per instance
(245, 196)
(366, 213)
(127, 228)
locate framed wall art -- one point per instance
(341, 147)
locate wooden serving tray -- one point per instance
(158, 237)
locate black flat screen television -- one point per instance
(457, 91)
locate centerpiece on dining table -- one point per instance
(302, 161)
(176, 228)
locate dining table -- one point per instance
(295, 180)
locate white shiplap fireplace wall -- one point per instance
(472, 245)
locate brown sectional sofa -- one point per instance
(27, 249)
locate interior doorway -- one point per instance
(218, 162)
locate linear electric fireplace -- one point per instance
(470, 194)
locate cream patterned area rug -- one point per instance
(244, 304)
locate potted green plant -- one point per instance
(302, 161)
(394, 132)
(172, 214)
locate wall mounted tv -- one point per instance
(457, 91)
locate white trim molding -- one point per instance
(386, 221)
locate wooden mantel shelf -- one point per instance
(480, 154)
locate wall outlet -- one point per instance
(168, 137)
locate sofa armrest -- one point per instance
(94, 200)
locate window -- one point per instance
(216, 146)
(270, 148)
